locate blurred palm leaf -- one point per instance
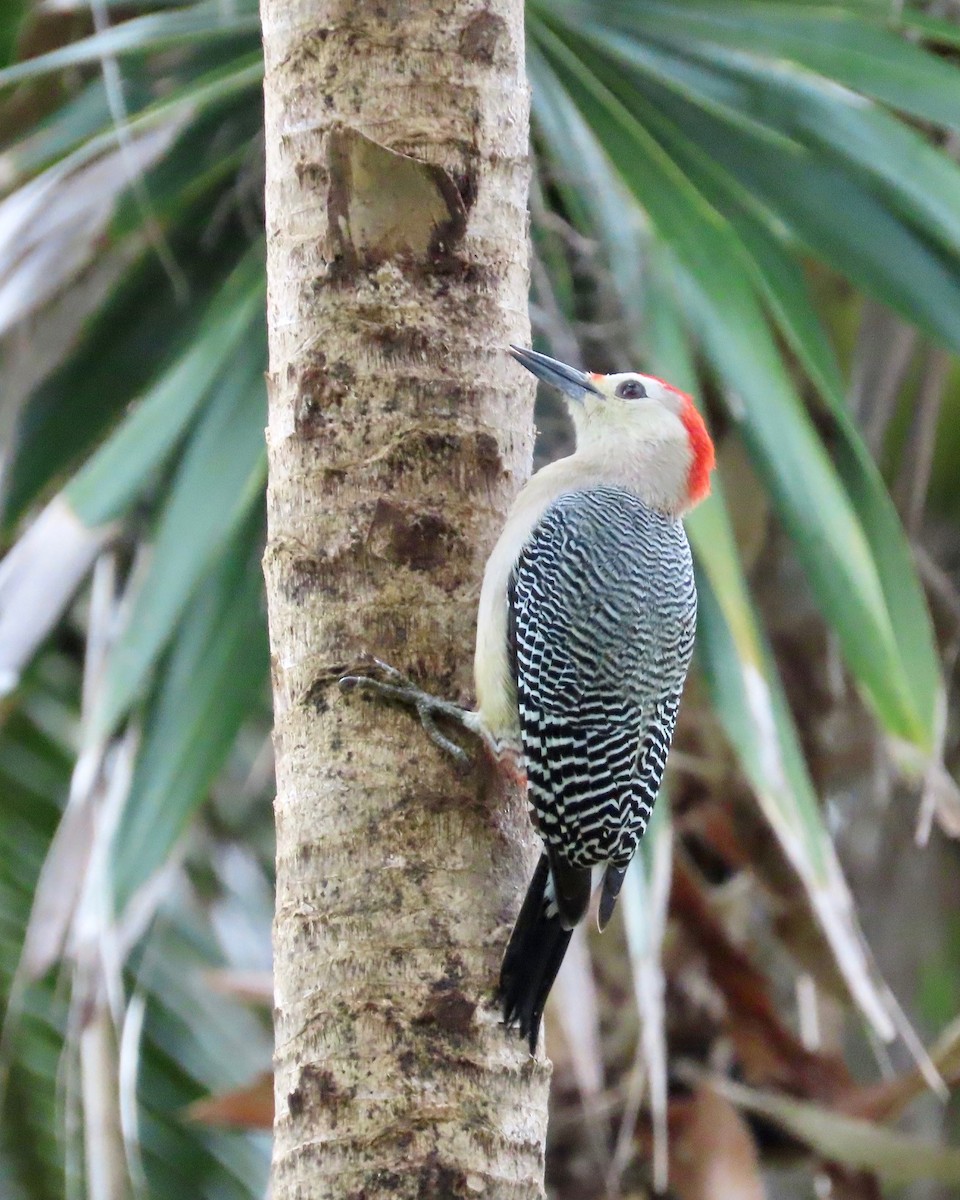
(894, 1158)
(193, 1040)
(211, 681)
(174, 29)
(708, 151)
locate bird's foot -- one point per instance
(381, 679)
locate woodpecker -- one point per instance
(584, 635)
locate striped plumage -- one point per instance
(584, 637)
(602, 615)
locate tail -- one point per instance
(533, 957)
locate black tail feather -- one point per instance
(612, 883)
(532, 959)
(572, 887)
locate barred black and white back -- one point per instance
(602, 614)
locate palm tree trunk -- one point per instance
(398, 433)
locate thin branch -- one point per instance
(881, 358)
(913, 478)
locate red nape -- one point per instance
(701, 444)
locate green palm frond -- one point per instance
(193, 1041)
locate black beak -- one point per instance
(568, 379)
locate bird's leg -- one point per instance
(395, 687)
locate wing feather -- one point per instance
(602, 610)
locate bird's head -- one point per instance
(628, 414)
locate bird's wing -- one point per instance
(602, 630)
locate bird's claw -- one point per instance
(391, 672)
(396, 687)
(461, 758)
(366, 670)
(365, 683)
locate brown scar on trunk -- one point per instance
(382, 204)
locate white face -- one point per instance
(626, 407)
(635, 390)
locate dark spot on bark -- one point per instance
(303, 577)
(489, 457)
(449, 269)
(430, 444)
(317, 695)
(467, 187)
(333, 476)
(307, 49)
(437, 1181)
(421, 541)
(386, 1181)
(417, 874)
(321, 388)
(343, 373)
(316, 1087)
(399, 342)
(448, 1011)
(433, 453)
(394, 12)
(480, 35)
(309, 173)
(453, 970)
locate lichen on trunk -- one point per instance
(399, 431)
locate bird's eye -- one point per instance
(631, 389)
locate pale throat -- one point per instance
(657, 470)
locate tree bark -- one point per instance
(399, 431)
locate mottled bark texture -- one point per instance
(399, 432)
